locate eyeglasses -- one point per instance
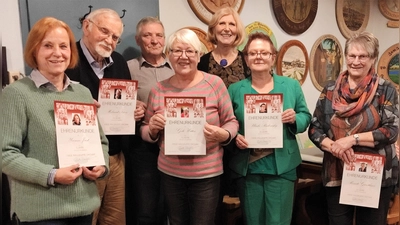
(361, 58)
(105, 32)
(179, 52)
(264, 55)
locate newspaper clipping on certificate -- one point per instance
(263, 126)
(118, 103)
(78, 136)
(184, 129)
(362, 179)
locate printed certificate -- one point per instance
(263, 126)
(362, 179)
(118, 103)
(186, 117)
(78, 136)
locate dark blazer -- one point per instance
(85, 75)
(288, 157)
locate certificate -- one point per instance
(118, 103)
(263, 126)
(362, 179)
(184, 129)
(78, 136)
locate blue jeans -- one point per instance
(82, 220)
(143, 200)
(340, 214)
(191, 201)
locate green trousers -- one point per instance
(266, 199)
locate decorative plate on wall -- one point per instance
(202, 35)
(352, 16)
(295, 17)
(258, 27)
(292, 61)
(389, 8)
(326, 60)
(204, 9)
(388, 66)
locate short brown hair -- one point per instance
(37, 34)
(214, 22)
(261, 36)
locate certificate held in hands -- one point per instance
(118, 103)
(78, 136)
(361, 181)
(186, 117)
(263, 126)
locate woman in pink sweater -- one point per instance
(191, 182)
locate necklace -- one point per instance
(223, 62)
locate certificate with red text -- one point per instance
(184, 129)
(263, 126)
(118, 103)
(361, 181)
(78, 135)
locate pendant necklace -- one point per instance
(223, 62)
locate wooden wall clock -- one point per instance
(205, 9)
(352, 16)
(388, 66)
(326, 60)
(292, 61)
(295, 17)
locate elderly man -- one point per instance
(101, 33)
(143, 202)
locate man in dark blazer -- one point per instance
(101, 33)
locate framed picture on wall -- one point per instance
(295, 17)
(326, 60)
(292, 61)
(207, 46)
(389, 9)
(388, 65)
(352, 16)
(205, 9)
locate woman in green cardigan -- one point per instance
(266, 177)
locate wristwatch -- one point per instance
(355, 136)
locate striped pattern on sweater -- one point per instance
(218, 112)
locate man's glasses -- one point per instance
(179, 52)
(105, 32)
(264, 55)
(361, 58)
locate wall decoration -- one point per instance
(389, 8)
(202, 35)
(352, 16)
(295, 17)
(326, 60)
(204, 9)
(258, 27)
(388, 66)
(292, 61)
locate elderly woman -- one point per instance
(226, 32)
(267, 176)
(41, 191)
(357, 113)
(191, 183)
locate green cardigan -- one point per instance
(288, 157)
(29, 153)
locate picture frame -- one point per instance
(388, 65)
(207, 46)
(389, 9)
(292, 61)
(205, 9)
(352, 16)
(295, 17)
(326, 60)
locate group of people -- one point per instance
(139, 184)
